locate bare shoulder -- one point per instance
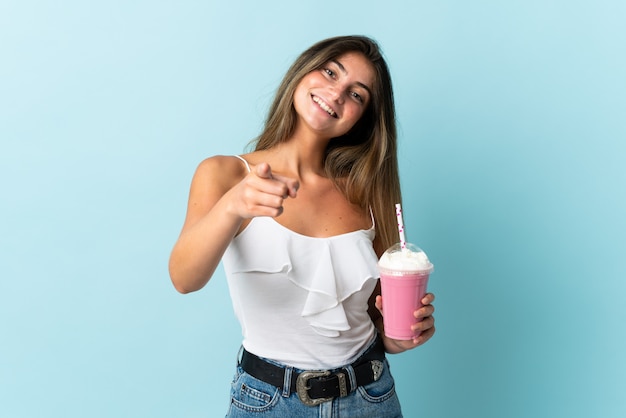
(220, 172)
(223, 163)
(213, 178)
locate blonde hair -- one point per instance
(363, 162)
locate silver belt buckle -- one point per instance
(302, 387)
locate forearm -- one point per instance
(200, 247)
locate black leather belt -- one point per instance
(316, 386)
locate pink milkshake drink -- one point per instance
(404, 274)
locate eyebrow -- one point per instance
(343, 70)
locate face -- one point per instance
(329, 101)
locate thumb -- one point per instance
(379, 303)
(264, 171)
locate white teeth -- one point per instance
(323, 105)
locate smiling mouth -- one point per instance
(324, 106)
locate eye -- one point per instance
(329, 72)
(356, 96)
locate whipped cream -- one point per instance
(410, 258)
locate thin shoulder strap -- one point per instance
(372, 216)
(244, 161)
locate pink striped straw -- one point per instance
(400, 226)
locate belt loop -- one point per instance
(287, 382)
(351, 376)
(239, 355)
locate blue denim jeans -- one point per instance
(251, 397)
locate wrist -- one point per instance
(391, 345)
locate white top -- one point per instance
(300, 300)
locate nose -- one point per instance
(336, 95)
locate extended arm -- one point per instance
(221, 197)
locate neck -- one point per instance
(303, 153)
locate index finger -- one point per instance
(292, 184)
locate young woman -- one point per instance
(299, 224)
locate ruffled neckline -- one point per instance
(370, 231)
(330, 269)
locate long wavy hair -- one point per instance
(363, 162)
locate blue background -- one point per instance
(512, 137)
